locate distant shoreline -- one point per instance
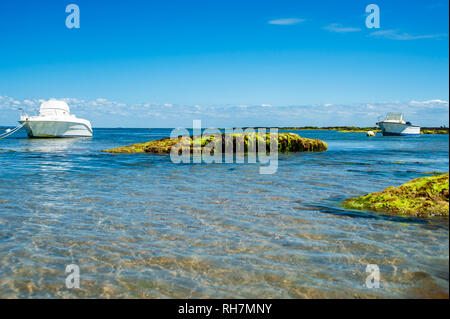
(355, 129)
(341, 129)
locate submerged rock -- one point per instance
(285, 142)
(421, 197)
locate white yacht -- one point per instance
(55, 120)
(394, 124)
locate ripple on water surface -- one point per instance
(140, 226)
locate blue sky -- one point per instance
(163, 63)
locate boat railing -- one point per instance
(394, 117)
(23, 113)
(381, 118)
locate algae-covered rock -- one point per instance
(421, 197)
(135, 148)
(245, 142)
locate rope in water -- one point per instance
(14, 130)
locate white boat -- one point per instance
(55, 120)
(394, 124)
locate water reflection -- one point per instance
(50, 145)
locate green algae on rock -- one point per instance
(421, 197)
(245, 142)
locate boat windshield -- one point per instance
(54, 108)
(394, 116)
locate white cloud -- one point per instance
(28, 102)
(336, 27)
(8, 103)
(288, 21)
(430, 103)
(106, 113)
(396, 35)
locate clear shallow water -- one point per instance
(141, 226)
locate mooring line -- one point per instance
(14, 130)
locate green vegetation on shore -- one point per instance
(421, 197)
(434, 130)
(342, 129)
(285, 142)
(355, 129)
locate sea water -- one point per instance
(140, 226)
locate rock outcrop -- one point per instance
(421, 197)
(285, 142)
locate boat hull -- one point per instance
(398, 129)
(57, 128)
